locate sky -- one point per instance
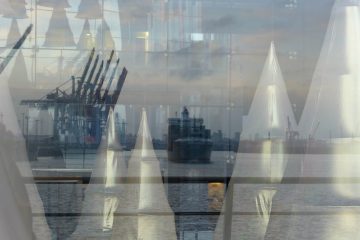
(206, 52)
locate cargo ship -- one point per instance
(188, 140)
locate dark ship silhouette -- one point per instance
(188, 139)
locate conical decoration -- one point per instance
(19, 75)
(271, 109)
(89, 9)
(145, 212)
(18, 9)
(267, 122)
(16, 200)
(59, 33)
(14, 34)
(86, 40)
(104, 39)
(332, 112)
(6, 8)
(46, 123)
(332, 108)
(14, 204)
(105, 190)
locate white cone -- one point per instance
(104, 38)
(18, 9)
(23, 200)
(59, 33)
(268, 117)
(86, 40)
(332, 107)
(19, 75)
(271, 107)
(6, 8)
(105, 191)
(145, 212)
(89, 9)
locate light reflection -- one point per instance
(216, 193)
(110, 206)
(273, 112)
(350, 100)
(347, 97)
(345, 163)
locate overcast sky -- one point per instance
(176, 62)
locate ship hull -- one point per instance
(191, 151)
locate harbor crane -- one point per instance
(80, 113)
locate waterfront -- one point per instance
(320, 199)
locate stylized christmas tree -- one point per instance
(104, 39)
(271, 108)
(332, 109)
(144, 199)
(59, 33)
(88, 10)
(6, 8)
(18, 9)
(19, 76)
(105, 191)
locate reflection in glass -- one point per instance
(332, 106)
(18, 201)
(247, 209)
(271, 110)
(144, 213)
(88, 9)
(6, 8)
(59, 33)
(17, 9)
(105, 189)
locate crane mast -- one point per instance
(102, 79)
(80, 111)
(83, 76)
(87, 84)
(106, 93)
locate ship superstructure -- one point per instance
(188, 139)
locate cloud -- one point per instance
(220, 24)
(134, 10)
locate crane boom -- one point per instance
(88, 81)
(116, 94)
(120, 84)
(102, 79)
(96, 80)
(86, 69)
(106, 93)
